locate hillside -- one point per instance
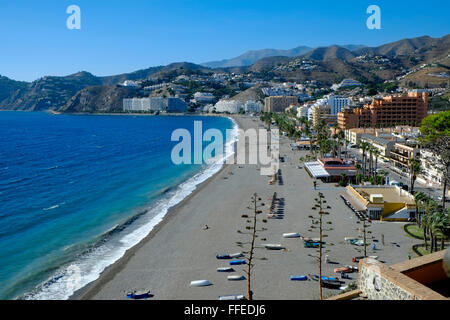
(98, 99)
(48, 92)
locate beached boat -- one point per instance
(237, 262)
(271, 246)
(236, 255)
(350, 238)
(223, 256)
(330, 284)
(291, 235)
(225, 269)
(298, 278)
(354, 268)
(236, 278)
(200, 283)
(138, 295)
(343, 269)
(232, 297)
(311, 244)
(357, 242)
(374, 257)
(316, 278)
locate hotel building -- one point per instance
(279, 103)
(388, 111)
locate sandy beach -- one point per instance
(179, 251)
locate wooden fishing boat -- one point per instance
(298, 278)
(223, 256)
(316, 278)
(271, 246)
(236, 278)
(343, 269)
(291, 235)
(142, 294)
(226, 269)
(237, 262)
(232, 297)
(330, 284)
(200, 283)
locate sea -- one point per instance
(77, 191)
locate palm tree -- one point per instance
(364, 147)
(441, 225)
(415, 168)
(427, 221)
(419, 198)
(376, 154)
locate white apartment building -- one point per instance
(204, 97)
(145, 104)
(230, 106)
(302, 111)
(337, 103)
(253, 106)
(431, 174)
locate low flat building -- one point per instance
(382, 145)
(331, 169)
(385, 203)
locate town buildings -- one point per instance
(391, 110)
(279, 103)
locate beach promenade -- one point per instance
(179, 251)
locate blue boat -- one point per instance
(237, 262)
(223, 256)
(316, 277)
(298, 278)
(138, 295)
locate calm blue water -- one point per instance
(77, 191)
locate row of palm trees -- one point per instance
(433, 220)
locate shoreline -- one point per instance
(92, 288)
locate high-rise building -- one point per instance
(388, 111)
(279, 103)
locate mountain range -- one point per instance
(85, 92)
(250, 57)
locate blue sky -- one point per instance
(120, 36)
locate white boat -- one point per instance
(291, 235)
(236, 255)
(236, 278)
(271, 246)
(200, 283)
(351, 238)
(374, 257)
(233, 297)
